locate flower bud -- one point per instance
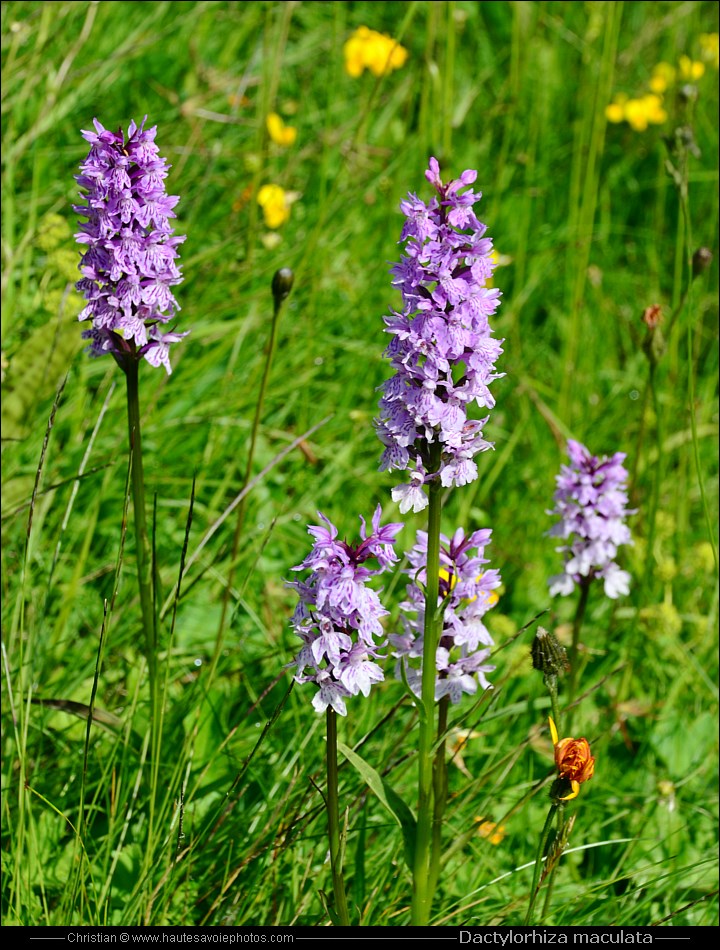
(701, 260)
(282, 284)
(548, 654)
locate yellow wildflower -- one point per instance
(499, 260)
(275, 205)
(654, 111)
(490, 597)
(378, 52)
(648, 110)
(448, 581)
(663, 76)
(490, 830)
(709, 46)
(615, 112)
(635, 115)
(280, 133)
(690, 69)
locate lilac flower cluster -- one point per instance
(129, 265)
(339, 615)
(466, 594)
(591, 502)
(442, 350)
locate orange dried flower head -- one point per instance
(574, 761)
(652, 316)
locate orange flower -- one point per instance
(573, 759)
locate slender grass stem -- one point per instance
(657, 481)
(422, 883)
(333, 812)
(685, 207)
(552, 689)
(281, 285)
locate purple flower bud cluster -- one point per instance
(339, 616)
(591, 502)
(442, 349)
(130, 261)
(466, 594)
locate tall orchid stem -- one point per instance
(440, 792)
(423, 885)
(333, 812)
(577, 626)
(144, 568)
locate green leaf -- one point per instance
(389, 798)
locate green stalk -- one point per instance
(657, 481)
(551, 684)
(144, 571)
(333, 812)
(440, 793)
(422, 882)
(550, 679)
(281, 285)
(544, 835)
(551, 878)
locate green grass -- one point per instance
(595, 231)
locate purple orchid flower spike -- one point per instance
(129, 264)
(466, 594)
(442, 348)
(338, 616)
(591, 502)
